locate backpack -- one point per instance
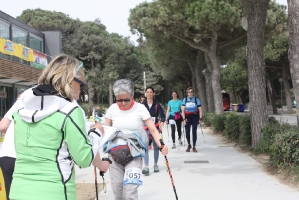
(194, 99)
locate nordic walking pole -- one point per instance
(202, 134)
(184, 132)
(96, 182)
(102, 174)
(169, 172)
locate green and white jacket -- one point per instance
(50, 137)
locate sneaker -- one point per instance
(145, 171)
(189, 147)
(173, 147)
(180, 142)
(156, 168)
(194, 150)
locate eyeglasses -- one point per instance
(123, 100)
(82, 85)
(190, 91)
(81, 65)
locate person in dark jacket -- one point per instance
(156, 110)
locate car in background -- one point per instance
(294, 104)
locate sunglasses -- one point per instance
(81, 65)
(82, 85)
(123, 100)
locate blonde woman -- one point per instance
(50, 135)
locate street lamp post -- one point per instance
(280, 80)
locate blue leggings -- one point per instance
(156, 152)
(192, 120)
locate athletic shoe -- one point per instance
(173, 147)
(194, 150)
(189, 147)
(180, 142)
(156, 168)
(145, 171)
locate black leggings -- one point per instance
(179, 129)
(7, 165)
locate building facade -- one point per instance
(24, 52)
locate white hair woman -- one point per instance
(50, 134)
(129, 117)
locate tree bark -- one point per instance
(286, 87)
(200, 81)
(194, 83)
(256, 11)
(209, 89)
(214, 58)
(293, 14)
(212, 53)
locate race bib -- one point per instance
(190, 105)
(133, 176)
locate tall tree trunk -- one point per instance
(293, 10)
(200, 81)
(209, 90)
(286, 87)
(256, 11)
(212, 53)
(194, 83)
(269, 90)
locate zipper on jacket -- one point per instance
(27, 134)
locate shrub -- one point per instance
(208, 117)
(84, 106)
(285, 149)
(268, 133)
(245, 129)
(232, 126)
(218, 122)
(272, 120)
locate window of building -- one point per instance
(4, 30)
(19, 36)
(36, 43)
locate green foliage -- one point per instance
(268, 134)
(218, 122)
(45, 20)
(245, 129)
(84, 106)
(295, 173)
(232, 126)
(285, 149)
(208, 118)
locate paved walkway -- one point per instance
(228, 175)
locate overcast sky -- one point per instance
(113, 13)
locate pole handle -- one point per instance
(162, 144)
(105, 159)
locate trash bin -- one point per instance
(241, 107)
(236, 107)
